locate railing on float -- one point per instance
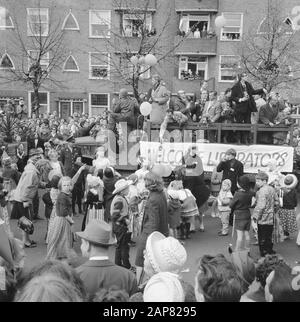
(255, 129)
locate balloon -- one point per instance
(146, 108)
(150, 60)
(167, 171)
(142, 60)
(134, 60)
(158, 169)
(220, 21)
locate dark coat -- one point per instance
(268, 113)
(155, 219)
(232, 170)
(248, 106)
(198, 188)
(68, 159)
(108, 196)
(84, 131)
(174, 213)
(241, 203)
(104, 274)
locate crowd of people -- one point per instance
(145, 211)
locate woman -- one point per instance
(21, 158)
(57, 167)
(155, 217)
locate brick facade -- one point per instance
(78, 86)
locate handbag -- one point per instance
(26, 225)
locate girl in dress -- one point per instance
(56, 165)
(94, 200)
(287, 213)
(60, 236)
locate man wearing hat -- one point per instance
(267, 203)
(232, 168)
(70, 154)
(99, 272)
(119, 210)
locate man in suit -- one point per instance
(211, 114)
(232, 168)
(242, 94)
(99, 272)
(69, 155)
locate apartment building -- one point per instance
(108, 28)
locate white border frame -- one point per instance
(241, 27)
(29, 101)
(72, 101)
(108, 66)
(65, 20)
(90, 100)
(29, 31)
(7, 68)
(90, 24)
(11, 20)
(70, 70)
(287, 33)
(219, 69)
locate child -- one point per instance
(287, 213)
(224, 199)
(120, 221)
(3, 208)
(60, 236)
(174, 212)
(241, 204)
(94, 200)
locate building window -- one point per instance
(99, 66)
(70, 22)
(44, 98)
(234, 26)
(267, 27)
(68, 107)
(33, 58)
(194, 26)
(5, 19)
(37, 21)
(70, 65)
(98, 103)
(192, 67)
(6, 62)
(228, 68)
(4, 101)
(100, 23)
(136, 25)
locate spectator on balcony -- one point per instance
(259, 101)
(179, 111)
(197, 33)
(158, 95)
(204, 32)
(242, 93)
(227, 115)
(268, 114)
(211, 114)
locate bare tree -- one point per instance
(39, 51)
(137, 39)
(269, 51)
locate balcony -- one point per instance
(203, 46)
(138, 5)
(196, 5)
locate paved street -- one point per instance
(201, 243)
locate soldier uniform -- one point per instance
(68, 157)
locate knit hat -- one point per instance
(228, 182)
(166, 254)
(262, 176)
(93, 181)
(121, 185)
(244, 182)
(164, 287)
(173, 194)
(290, 181)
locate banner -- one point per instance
(254, 157)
